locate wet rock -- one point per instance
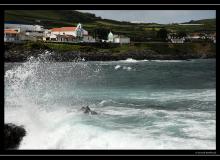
(87, 110)
(93, 113)
(13, 136)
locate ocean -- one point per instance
(157, 104)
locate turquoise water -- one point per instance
(140, 104)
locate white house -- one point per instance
(177, 40)
(174, 38)
(194, 36)
(24, 27)
(48, 35)
(118, 39)
(212, 37)
(66, 34)
(110, 37)
(88, 39)
(74, 31)
(11, 35)
(121, 39)
(26, 31)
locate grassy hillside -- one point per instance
(49, 18)
(202, 21)
(137, 32)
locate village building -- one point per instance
(11, 35)
(88, 39)
(121, 40)
(25, 27)
(194, 36)
(65, 38)
(177, 40)
(212, 37)
(48, 36)
(110, 37)
(117, 39)
(27, 32)
(173, 38)
(68, 34)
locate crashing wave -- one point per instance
(117, 67)
(129, 60)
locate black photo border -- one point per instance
(106, 7)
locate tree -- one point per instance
(162, 34)
(101, 33)
(181, 34)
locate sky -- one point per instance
(154, 16)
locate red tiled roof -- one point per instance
(63, 29)
(11, 31)
(55, 29)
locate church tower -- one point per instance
(110, 37)
(79, 30)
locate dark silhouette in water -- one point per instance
(87, 110)
(13, 135)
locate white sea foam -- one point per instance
(127, 68)
(175, 61)
(117, 67)
(31, 85)
(129, 60)
(199, 95)
(60, 129)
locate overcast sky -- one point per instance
(157, 16)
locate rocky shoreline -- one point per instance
(72, 56)
(20, 53)
(13, 136)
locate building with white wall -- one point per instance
(121, 40)
(25, 27)
(117, 38)
(68, 34)
(27, 32)
(11, 35)
(88, 39)
(74, 31)
(177, 40)
(110, 37)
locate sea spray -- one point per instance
(37, 79)
(142, 109)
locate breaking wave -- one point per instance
(45, 97)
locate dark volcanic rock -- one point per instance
(13, 135)
(95, 52)
(87, 110)
(93, 113)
